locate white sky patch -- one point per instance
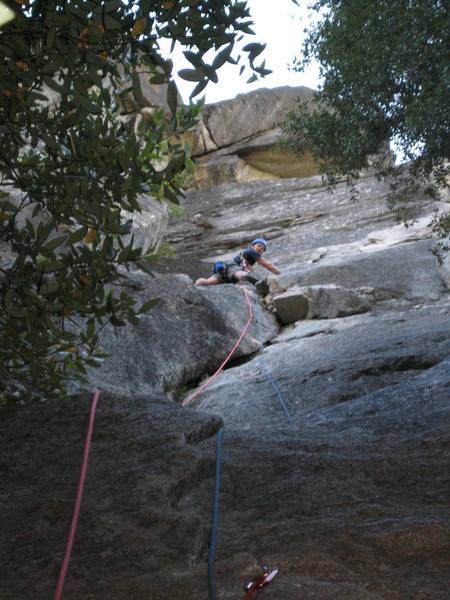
(278, 24)
(6, 14)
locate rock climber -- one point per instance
(240, 268)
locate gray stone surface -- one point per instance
(407, 271)
(445, 270)
(231, 121)
(186, 335)
(149, 225)
(350, 503)
(298, 217)
(328, 363)
(349, 498)
(318, 302)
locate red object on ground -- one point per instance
(253, 587)
(76, 510)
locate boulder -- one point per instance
(408, 271)
(185, 337)
(318, 302)
(239, 139)
(323, 363)
(247, 115)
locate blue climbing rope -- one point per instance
(276, 388)
(216, 498)
(215, 520)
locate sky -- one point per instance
(281, 28)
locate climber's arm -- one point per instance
(267, 265)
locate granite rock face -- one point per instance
(318, 302)
(187, 334)
(240, 139)
(336, 447)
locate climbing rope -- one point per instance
(228, 357)
(79, 495)
(275, 387)
(215, 519)
(215, 512)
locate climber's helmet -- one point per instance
(260, 243)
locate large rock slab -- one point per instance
(324, 363)
(143, 460)
(408, 271)
(350, 503)
(240, 139)
(187, 335)
(303, 221)
(247, 115)
(318, 302)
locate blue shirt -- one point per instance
(247, 257)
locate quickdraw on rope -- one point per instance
(79, 495)
(253, 587)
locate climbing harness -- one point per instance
(79, 495)
(254, 586)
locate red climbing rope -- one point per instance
(229, 355)
(76, 510)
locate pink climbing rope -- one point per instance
(76, 510)
(229, 355)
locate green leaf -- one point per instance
(88, 105)
(193, 58)
(16, 311)
(199, 88)
(211, 73)
(90, 329)
(158, 78)
(50, 288)
(172, 97)
(111, 23)
(222, 57)
(148, 305)
(51, 266)
(137, 91)
(191, 75)
(54, 243)
(53, 307)
(254, 49)
(77, 236)
(124, 159)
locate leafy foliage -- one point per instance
(386, 76)
(72, 165)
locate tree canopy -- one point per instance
(71, 165)
(386, 76)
